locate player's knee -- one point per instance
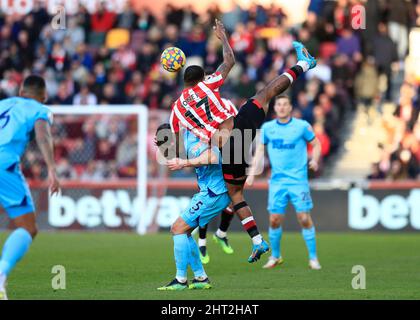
(32, 230)
(177, 227)
(275, 221)
(305, 220)
(174, 228)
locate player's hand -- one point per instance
(313, 165)
(176, 164)
(54, 184)
(219, 29)
(250, 180)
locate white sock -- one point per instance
(2, 280)
(182, 280)
(220, 233)
(303, 64)
(257, 239)
(202, 242)
(201, 278)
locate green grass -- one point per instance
(127, 266)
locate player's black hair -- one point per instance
(193, 75)
(34, 86)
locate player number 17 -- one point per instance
(204, 101)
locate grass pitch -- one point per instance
(127, 266)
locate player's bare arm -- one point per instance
(316, 154)
(205, 158)
(228, 55)
(45, 144)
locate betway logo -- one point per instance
(394, 212)
(91, 212)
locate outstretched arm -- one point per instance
(228, 55)
(205, 158)
(45, 144)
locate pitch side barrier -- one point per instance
(365, 206)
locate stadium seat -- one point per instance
(116, 38)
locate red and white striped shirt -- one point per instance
(200, 109)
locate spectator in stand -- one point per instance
(83, 70)
(102, 20)
(367, 83)
(305, 107)
(127, 155)
(385, 53)
(400, 15)
(377, 173)
(127, 19)
(85, 97)
(95, 171)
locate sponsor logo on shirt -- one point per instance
(279, 144)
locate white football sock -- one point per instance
(257, 239)
(220, 233)
(303, 64)
(182, 280)
(202, 242)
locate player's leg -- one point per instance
(275, 232)
(210, 209)
(301, 198)
(16, 246)
(220, 237)
(180, 230)
(243, 211)
(16, 199)
(309, 236)
(277, 203)
(201, 280)
(282, 82)
(202, 244)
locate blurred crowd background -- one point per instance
(104, 58)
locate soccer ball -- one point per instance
(172, 59)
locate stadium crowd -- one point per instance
(107, 58)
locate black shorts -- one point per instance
(235, 155)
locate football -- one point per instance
(172, 59)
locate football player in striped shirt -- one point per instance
(220, 236)
(200, 110)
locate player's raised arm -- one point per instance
(45, 144)
(228, 55)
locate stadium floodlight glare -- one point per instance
(142, 117)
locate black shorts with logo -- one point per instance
(236, 152)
